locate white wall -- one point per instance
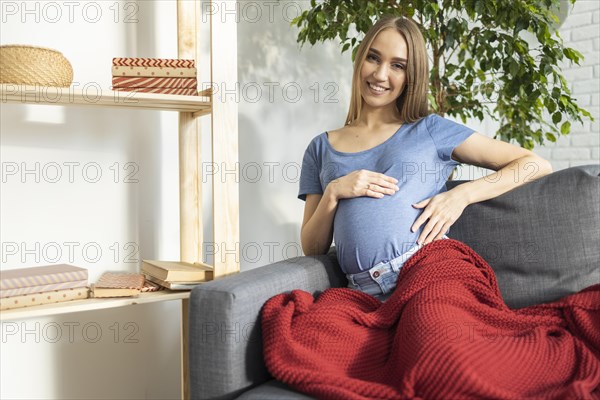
(581, 31)
(275, 128)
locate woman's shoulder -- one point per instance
(339, 132)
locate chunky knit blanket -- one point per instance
(445, 333)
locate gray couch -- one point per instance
(541, 239)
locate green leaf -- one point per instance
(550, 137)
(556, 117)
(565, 128)
(321, 18)
(513, 67)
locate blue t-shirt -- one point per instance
(369, 230)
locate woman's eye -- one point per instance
(371, 57)
(399, 66)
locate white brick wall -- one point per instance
(581, 31)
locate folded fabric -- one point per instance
(444, 333)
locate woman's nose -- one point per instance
(381, 72)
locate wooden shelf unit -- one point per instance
(68, 96)
(90, 304)
(224, 138)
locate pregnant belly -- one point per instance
(369, 230)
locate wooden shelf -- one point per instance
(90, 304)
(94, 96)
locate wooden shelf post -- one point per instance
(225, 165)
(226, 92)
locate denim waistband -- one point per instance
(381, 279)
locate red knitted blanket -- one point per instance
(445, 333)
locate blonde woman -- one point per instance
(377, 185)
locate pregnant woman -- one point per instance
(377, 185)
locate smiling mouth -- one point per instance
(377, 88)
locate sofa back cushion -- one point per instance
(542, 238)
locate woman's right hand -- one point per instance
(362, 183)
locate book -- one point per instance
(177, 271)
(49, 276)
(43, 288)
(150, 82)
(118, 284)
(152, 62)
(180, 91)
(151, 287)
(154, 71)
(172, 285)
(37, 299)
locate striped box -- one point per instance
(42, 288)
(153, 62)
(168, 72)
(180, 91)
(137, 82)
(36, 299)
(39, 276)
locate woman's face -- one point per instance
(383, 73)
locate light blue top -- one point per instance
(369, 230)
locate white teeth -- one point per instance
(377, 88)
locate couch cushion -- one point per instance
(273, 390)
(541, 238)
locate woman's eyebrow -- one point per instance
(394, 59)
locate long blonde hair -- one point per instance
(412, 102)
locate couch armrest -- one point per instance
(225, 345)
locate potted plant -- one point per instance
(488, 57)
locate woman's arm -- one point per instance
(514, 167)
(317, 227)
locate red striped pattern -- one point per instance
(148, 82)
(445, 333)
(153, 62)
(181, 91)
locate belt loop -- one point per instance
(351, 279)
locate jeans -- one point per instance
(380, 281)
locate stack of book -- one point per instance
(155, 75)
(118, 284)
(34, 286)
(176, 275)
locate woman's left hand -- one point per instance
(442, 210)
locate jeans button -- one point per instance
(376, 274)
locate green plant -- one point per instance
(480, 58)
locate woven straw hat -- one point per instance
(33, 65)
